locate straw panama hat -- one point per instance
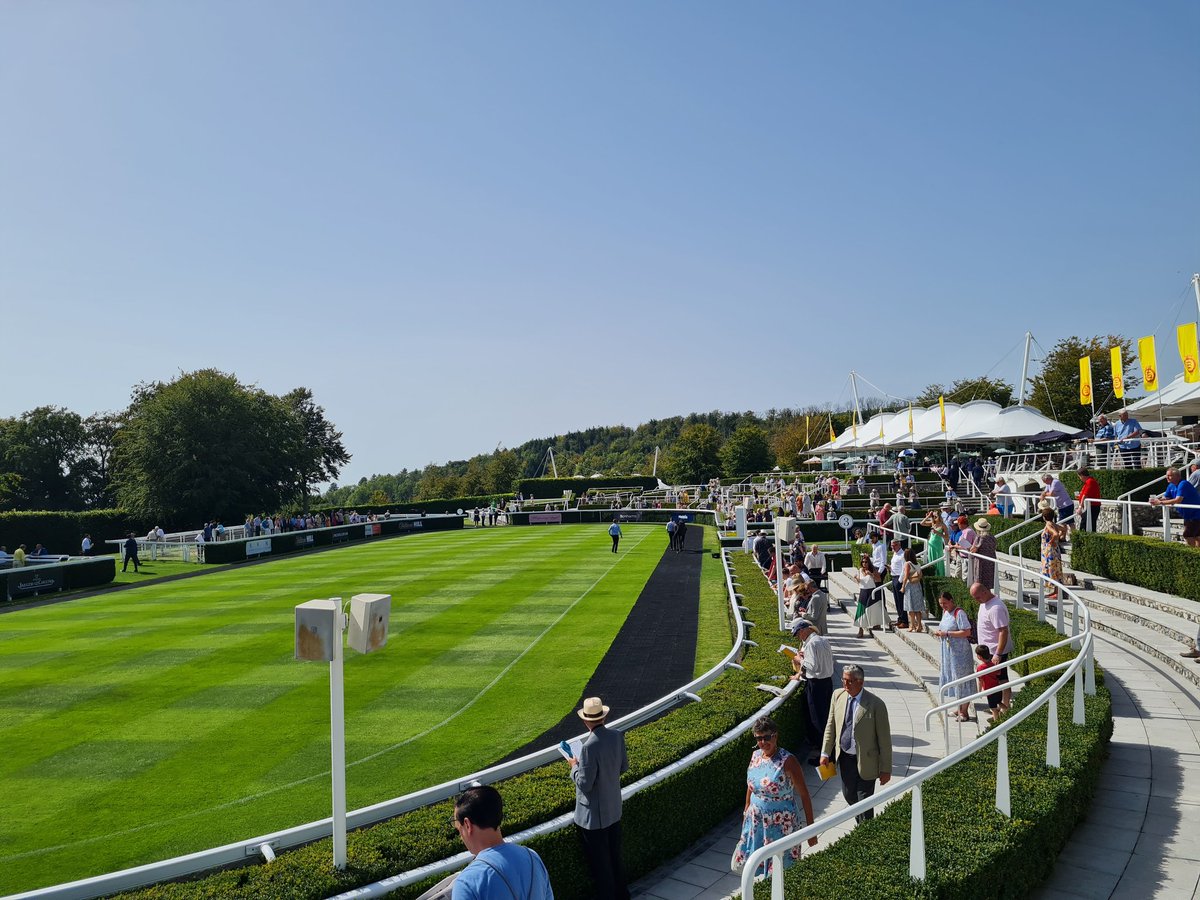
(593, 710)
(983, 525)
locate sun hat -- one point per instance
(983, 525)
(1046, 503)
(593, 710)
(801, 624)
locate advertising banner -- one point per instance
(545, 518)
(38, 580)
(258, 547)
(371, 529)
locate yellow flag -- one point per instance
(1118, 372)
(942, 408)
(854, 430)
(1149, 363)
(1085, 380)
(881, 424)
(832, 436)
(910, 425)
(806, 432)
(1189, 352)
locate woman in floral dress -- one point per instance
(1052, 535)
(773, 782)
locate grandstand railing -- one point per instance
(259, 847)
(1081, 669)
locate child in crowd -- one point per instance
(989, 681)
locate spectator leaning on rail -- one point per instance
(597, 776)
(500, 869)
(1128, 432)
(1058, 493)
(859, 736)
(1181, 492)
(1089, 500)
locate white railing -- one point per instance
(258, 847)
(1081, 668)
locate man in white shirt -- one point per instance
(896, 570)
(878, 552)
(816, 565)
(814, 664)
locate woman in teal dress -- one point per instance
(773, 782)
(936, 543)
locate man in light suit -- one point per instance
(597, 777)
(863, 750)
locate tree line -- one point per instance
(203, 445)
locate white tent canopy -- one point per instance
(1177, 399)
(976, 422)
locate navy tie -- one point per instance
(848, 725)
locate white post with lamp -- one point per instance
(320, 625)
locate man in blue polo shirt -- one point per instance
(1128, 431)
(1181, 492)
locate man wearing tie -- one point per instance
(859, 736)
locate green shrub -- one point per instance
(552, 488)
(448, 505)
(1115, 482)
(1143, 561)
(693, 801)
(972, 851)
(61, 532)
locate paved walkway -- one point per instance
(703, 870)
(1142, 836)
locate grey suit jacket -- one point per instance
(598, 779)
(872, 733)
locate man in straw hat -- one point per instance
(597, 777)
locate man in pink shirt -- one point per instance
(995, 633)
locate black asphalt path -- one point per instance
(655, 650)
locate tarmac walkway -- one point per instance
(703, 871)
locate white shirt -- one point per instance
(815, 560)
(879, 556)
(818, 657)
(897, 567)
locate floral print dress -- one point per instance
(772, 810)
(1051, 557)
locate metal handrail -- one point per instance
(1074, 668)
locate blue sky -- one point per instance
(463, 224)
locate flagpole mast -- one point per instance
(1196, 288)
(1025, 363)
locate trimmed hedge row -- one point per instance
(693, 801)
(552, 488)
(1114, 482)
(448, 505)
(973, 851)
(1144, 561)
(61, 532)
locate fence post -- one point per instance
(916, 843)
(1077, 715)
(1041, 600)
(1089, 678)
(1059, 625)
(1003, 794)
(777, 877)
(1052, 758)
(1166, 517)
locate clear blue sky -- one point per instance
(582, 214)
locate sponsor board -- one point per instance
(303, 540)
(410, 524)
(371, 528)
(258, 547)
(35, 582)
(545, 518)
(340, 537)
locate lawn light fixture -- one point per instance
(320, 625)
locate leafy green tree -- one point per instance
(503, 470)
(790, 442)
(746, 450)
(1055, 389)
(321, 453)
(966, 389)
(206, 445)
(45, 449)
(694, 456)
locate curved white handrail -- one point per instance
(1081, 669)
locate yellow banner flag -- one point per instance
(881, 424)
(942, 409)
(910, 425)
(1149, 363)
(854, 430)
(832, 436)
(1085, 380)
(806, 432)
(1189, 351)
(1118, 372)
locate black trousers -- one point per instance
(130, 557)
(602, 850)
(818, 692)
(898, 594)
(616, 540)
(854, 787)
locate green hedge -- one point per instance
(61, 532)
(693, 802)
(1115, 482)
(447, 505)
(972, 851)
(1143, 561)
(552, 488)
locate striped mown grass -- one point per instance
(154, 722)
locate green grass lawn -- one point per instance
(149, 723)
